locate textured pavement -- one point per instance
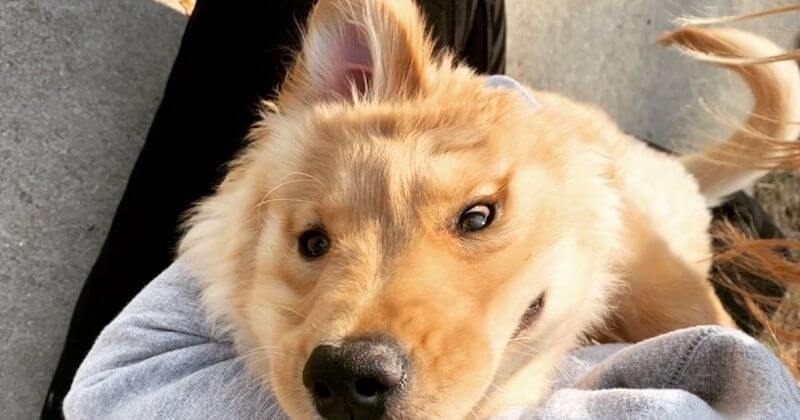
(81, 79)
(79, 83)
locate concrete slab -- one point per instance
(603, 52)
(80, 81)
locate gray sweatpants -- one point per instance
(159, 359)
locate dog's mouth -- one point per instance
(531, 314)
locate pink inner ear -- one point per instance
(352, 63)
(360, 77)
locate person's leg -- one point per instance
(232, 54)
(474, 29)
(485, 45)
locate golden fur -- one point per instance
(188, 6)
(613, 233)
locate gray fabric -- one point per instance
(159, 359)
(500, 81)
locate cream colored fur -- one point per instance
(735, 164)
(613, 233)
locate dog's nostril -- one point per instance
(358, 379)
(367, 387)
(322, 391)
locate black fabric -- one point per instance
(476, 29)
(232, 54)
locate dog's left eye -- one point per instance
(313, 243)
(476, 218)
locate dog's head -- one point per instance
(400, 240)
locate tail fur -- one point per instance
(767, 139)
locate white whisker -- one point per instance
(284, 199)
(303, 174)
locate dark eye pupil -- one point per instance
(313, 243)
(476, 218)
(474, 221)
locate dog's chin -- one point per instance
(531, 315)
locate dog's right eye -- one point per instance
(313, 243)
(476, 218)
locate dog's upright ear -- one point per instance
(370, 48)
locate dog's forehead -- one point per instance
(391, 159)
(376, 178)
(398, 179)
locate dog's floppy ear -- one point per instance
(373, 48)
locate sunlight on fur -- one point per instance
(387, 192)
(182, 6)
(740, 254)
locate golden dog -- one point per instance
(398, 240)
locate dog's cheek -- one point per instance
(459, 371)
(284, 382)
(276, 347)
(284, 350)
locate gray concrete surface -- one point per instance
(80, 81)
(603, 52)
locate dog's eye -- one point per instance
(313, 243)
(476, 218)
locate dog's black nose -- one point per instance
(356, 380)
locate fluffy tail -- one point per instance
(767, 139)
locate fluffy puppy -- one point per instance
(400, 240)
